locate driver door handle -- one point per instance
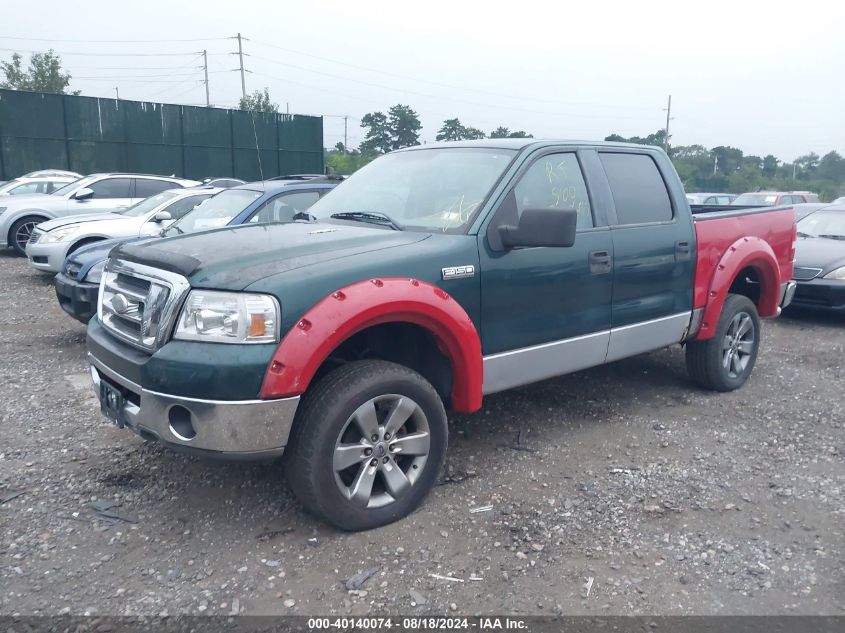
(600, 262)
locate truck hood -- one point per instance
(49, 225)
(232, 258)
(819, 252)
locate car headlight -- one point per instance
(95, 273)
(229, 317)
(839, 274)
(59, 235)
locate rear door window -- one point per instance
(639, 192)
(144, 187)
(111, 188)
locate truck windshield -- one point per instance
(756, 199)
(148, 204)
(216, 211)
(430, 189)
(829, 224)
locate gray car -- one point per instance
(710, 198)
(54, 240)
(95, 193)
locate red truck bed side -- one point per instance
(733, 246)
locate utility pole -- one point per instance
(205, 68)
(116, 93)
(241, 57)
(287, 107)
(668, 118)
(345, 140)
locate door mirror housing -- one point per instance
(162, 216)
(84, 193)
(541, 227)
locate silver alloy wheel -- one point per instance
(23, 234)
(381, 450)
(738, 345)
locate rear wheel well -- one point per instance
(38, 218)
(403, 343)
(747, 283)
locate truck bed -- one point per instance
(720, 235)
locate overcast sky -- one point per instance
(763, 77)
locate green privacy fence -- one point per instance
(90, 134)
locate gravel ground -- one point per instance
(618, 490)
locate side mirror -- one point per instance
(83, 194)
(541, 227)
(162, 216)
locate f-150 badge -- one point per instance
(458, 272)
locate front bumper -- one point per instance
(77, 298)
(820, 294)
(231, 429)
(47, 257)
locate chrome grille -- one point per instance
(805, 274)
(35, 235)
(138, 303)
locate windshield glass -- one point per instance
(431, 189)
(216, 211)
(830, 224)
(758, 199)
(71, 186)
(148, 204)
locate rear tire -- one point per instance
(367, 445)
(724, 362)
(20, 232)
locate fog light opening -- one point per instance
(180, 423)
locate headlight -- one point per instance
(228, 317)
(58, 235)
(95, 273)
(839, 274)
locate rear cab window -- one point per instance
(639, 191)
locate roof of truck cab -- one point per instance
(521, 143)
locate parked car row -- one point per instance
(757, 198)
(338, 326)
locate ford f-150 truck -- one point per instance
(432, 277)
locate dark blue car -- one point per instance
(77, 285)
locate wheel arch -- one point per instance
(748, 267)
(38, 214)
(365, 305)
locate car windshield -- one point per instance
(216, 211)
(756, 199)
(148, 204)
(829, 224)
(71, 186)
(431, 189)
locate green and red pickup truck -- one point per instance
(432, 277)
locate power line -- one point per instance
(78, 54)
(496, 106)
(444, 85)
(52, 39)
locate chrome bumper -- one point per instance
(787, 293)
(228, 428)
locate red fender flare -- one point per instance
(745, 252)
(365, 304)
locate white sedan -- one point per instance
(54, 240)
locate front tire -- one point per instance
(367, 446)
(724, 362)
(20, 232)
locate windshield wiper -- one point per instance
(373, 217)
(833, 237)
(800, 234)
